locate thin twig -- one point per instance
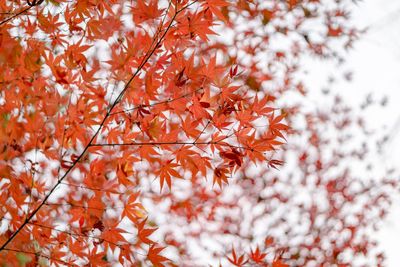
(171, 143)
(15, 15)
(41, 255)
(84, 207)
(157, 103)
(92, 188)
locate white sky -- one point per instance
(375, 62)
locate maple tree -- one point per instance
(132, 128)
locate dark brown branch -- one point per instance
(30, 5)
(16, 15)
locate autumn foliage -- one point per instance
(176, 133)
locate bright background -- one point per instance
(376, 60)
(375, 63)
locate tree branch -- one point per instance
(118, 99)
(169, 143)
(16, 15)
(41, 255)
(157, 103)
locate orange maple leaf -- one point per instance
(154, 256)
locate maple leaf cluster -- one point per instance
(130, 129)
